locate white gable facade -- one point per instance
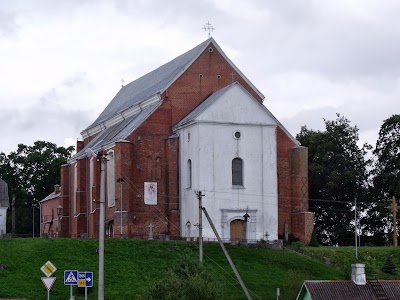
(232, 125)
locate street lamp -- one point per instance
(120, 181)
(59, 214)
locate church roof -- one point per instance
(118, 131)
(156, 82)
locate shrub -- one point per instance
(389, 267)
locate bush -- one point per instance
(314, 240)
(389, 267)
(185, 279)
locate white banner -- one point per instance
(150, 193)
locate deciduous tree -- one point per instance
(31, 173)
(337, 175)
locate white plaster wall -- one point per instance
(3, 219)
(211, 148)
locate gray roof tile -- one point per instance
(150, 84)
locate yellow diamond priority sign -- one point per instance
(48, 268)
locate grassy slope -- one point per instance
(130, 266)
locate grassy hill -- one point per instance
(132, 265)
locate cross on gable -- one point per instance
(208, 27)
(122, 82)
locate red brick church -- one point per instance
(195, 123)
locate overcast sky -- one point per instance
(61, 62)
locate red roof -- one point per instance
(348, 290)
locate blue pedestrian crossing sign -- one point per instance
(70, 277)
(85, 279)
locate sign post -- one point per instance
(48, 269)
(85, 279)
(71, 279)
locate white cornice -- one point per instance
(130, 111)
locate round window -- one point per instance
(237, 135)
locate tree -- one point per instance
(337, 176)
(389, 266)
(386, 175)
(31, 173)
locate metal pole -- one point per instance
(394, 221)
(355, 225)
(33, 221)
(103, 160)
(120, 181)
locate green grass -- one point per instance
(132, 265)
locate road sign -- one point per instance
(48, 282)
(85, 279)
(48, 268)
(70, 277)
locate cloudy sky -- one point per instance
(61, 62)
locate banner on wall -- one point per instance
(150, 193)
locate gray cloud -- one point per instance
(8, 24)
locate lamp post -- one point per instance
(59, 214)
(120, 181)
(103, 159)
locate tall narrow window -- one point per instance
(237, 171)
(75, 185)
(158, 168)
(189, 174)
(149, 165)
(110, 179)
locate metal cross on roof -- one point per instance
(122, 82)
(208, 27)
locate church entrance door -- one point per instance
(237, 230)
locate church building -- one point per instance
(194, 126)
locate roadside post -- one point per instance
(48, 269)
(85, 279)
(71, 279)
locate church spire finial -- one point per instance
(208, 27)
(122, 83)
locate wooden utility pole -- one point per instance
(246, 292)
(394, 207)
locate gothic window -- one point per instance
(110, 179)
(158, 167)
(189, 174)
(149, 163)
(75, 185)
(237, 171)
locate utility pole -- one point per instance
(102, 157)
(227, 255)
(13, 216)
(355, 225)
(199, 196)
(394, 207)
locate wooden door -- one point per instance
(237, 230)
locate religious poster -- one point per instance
(150, 193)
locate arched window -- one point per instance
(149, 167)
(237, 171)
(110, 179)
(75, 185)
(158, 168)
(189, 174)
